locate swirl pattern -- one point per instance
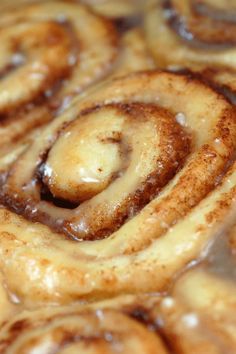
(104, 146)
(201, 319)
(127, 199)
(34, 83)
(117, 180)
(84, 330)
(196, 35)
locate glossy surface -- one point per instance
(194, 35)
(117, 229)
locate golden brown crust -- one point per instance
(143, 254)
(117, 219)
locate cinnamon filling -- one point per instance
(131, 151)
(197, 27)
(47, 59)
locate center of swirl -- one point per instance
(109, 163)
(87, 156)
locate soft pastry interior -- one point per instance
(117, 177)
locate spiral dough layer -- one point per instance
(121, 171)
(199, 321)
(50, 51)
(107, 327)
(197, 35)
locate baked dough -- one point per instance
(196, 35)
(117, 215)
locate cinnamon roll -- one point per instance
(117, 180)
(108, 327)
(33, 37)
(139, 173)
(195, 34)
(185, 321)
(50, 51)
